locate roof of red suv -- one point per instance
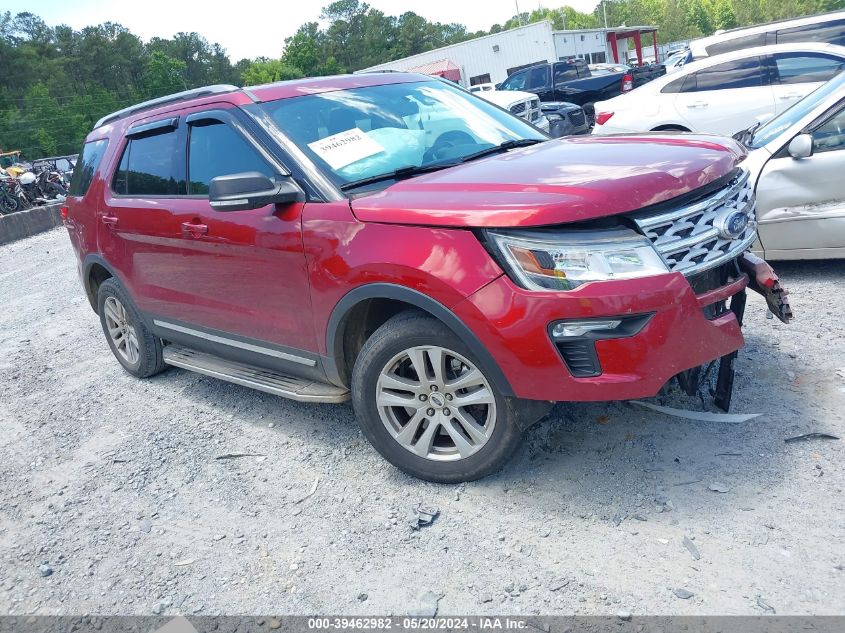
(265, 92)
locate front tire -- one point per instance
(424, 402)
(134, 346)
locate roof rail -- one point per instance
(179, 96)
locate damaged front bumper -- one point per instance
(758, 276)
(685, 328)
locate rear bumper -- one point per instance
(513, 324)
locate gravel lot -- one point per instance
(117, 487)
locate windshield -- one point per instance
(358, 134)
(790, 117)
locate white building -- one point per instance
(492, 58)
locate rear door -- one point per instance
(726, 97)
(797, 74)
(802, 201)
(139, 234)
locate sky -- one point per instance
(259, 27)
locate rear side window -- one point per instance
(832, 32)
(802, 68)
(737, 43)
(678, 85)
(151, 166)
(740, 73)
(89, 160)
(217, 150)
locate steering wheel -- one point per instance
(446, 141)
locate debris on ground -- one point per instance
(146, 526)
(718, 487)
(683, 594)
(811, 436)
(699, 416)
(765, 606)
(45, 570)
(419, 517)
(311, 492)
(691, 548)
(237, 455)
(428, 605)
(557, 584)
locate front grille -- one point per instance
(692, 238)
(576, 117)
(535, 115)
(519, 108)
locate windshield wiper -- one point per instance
(396, 174)
(502, 147)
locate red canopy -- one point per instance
(441, 68)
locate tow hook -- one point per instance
(763, 280)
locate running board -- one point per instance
(267, 380)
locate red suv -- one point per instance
(393, 239)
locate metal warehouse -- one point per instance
(492, 58)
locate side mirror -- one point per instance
(251, 190)
(801, 146)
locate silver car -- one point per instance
(797, 162)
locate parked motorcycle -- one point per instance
(12, 196)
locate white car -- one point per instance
(824, 28)
(797, 165)
(525, 105)
(725, 93)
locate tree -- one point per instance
(265, 71)
(164, 75)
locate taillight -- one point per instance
(603, 117)
(627, 83)
(63, 212)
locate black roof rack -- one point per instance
(174, 98)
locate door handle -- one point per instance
(109, 220)
(698, 104)
(194, 229)
(791, 95)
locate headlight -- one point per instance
(541, 260)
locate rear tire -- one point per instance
(417, 422)
(137, 349)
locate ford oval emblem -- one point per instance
(731, 224)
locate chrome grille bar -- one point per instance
(691, 239)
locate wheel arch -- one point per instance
(95, 270)
(671, 127)
(365, 308)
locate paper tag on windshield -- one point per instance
(345, 148)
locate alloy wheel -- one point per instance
(122, 332)
(436, 403)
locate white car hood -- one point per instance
(506, 98)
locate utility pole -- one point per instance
(518, 14)
(604, 8)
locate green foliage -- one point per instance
(164, 75)
(57, 81)
(265, 71)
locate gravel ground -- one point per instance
(115, 498)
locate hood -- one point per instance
(505, 98)
(562, 180)
(555, 106)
